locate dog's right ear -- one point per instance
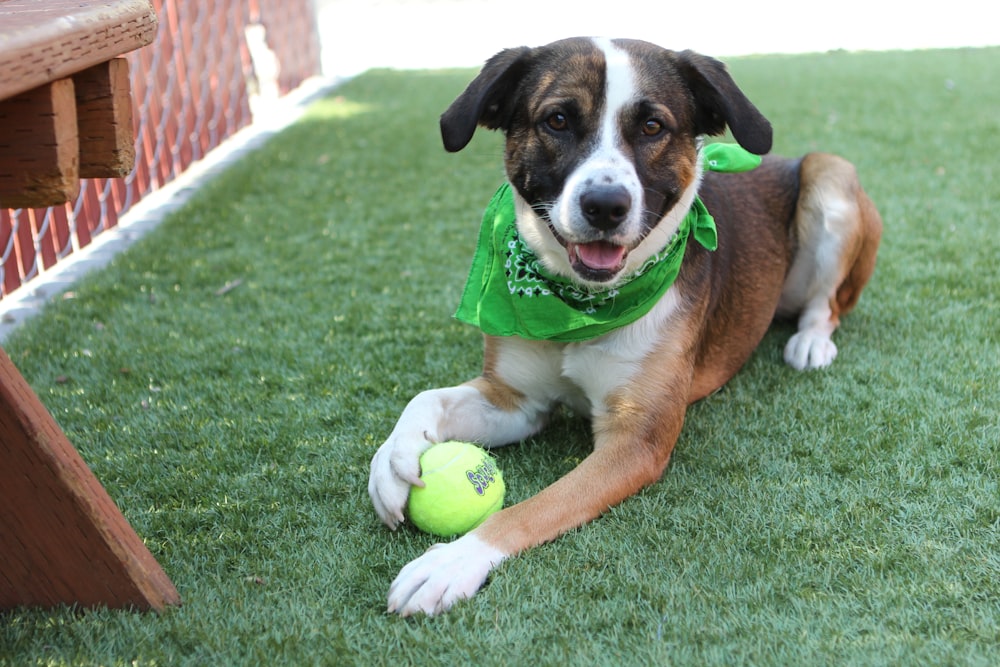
(487, 101)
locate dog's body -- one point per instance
(603, 156)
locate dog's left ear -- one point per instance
(487, 101)
(720, 102)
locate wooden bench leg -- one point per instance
(62, 539)
(39, 147)
(104, 115)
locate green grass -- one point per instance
(850, 516)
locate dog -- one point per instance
(607, 180)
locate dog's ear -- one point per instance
(720, 102)
(487, 101)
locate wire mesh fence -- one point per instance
(191, 89)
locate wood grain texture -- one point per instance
(45, 41)
(104, 120)
(62, 539)
(39, 147)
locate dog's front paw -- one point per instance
(810, 349)
(445, 574)
(395, 468)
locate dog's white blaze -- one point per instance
(619, 91)
(607, 163)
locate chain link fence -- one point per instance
(191, 89)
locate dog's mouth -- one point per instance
(597, 261)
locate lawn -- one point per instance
(229, 378)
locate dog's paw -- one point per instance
(445, 574)
(809, 349)
(394, 469)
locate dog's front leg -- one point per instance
(455, 413)
(451, 572)
(631, 451)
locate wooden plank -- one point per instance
(44, 41)
(104, 120)
(39, 147)
(62, 539)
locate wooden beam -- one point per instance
(62, 539)
(104, 120)
(39, 147)
(54, 39)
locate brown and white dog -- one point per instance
(603, 142)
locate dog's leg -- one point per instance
(447, 573)
(456, 413)
(634, 435)
(838, 232)
(511, 400)
(485, 411)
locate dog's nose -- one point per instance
(606, 206)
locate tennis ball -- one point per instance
(463, 486)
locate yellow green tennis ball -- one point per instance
(463, 486)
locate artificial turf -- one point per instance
(229, 378)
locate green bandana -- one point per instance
(509, 292)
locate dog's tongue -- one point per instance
(600, 255)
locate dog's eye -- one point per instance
(557, 122)
(652, 127)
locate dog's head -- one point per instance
(602, 144)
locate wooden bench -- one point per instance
(65, 103)
(65, 113)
